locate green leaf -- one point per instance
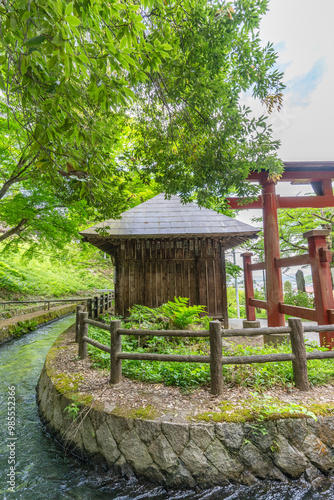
(129, 59)
(123, 42)
(69, 9)
(25, 16)
(36, 40)
(84, 58)
(72, 20)
(166, 46)
(24, 65)
(59, 6)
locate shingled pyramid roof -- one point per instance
(163, 218)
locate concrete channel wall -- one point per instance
(17, 326)
(188, 454)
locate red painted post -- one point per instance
(326, 187)
(320, 259)
(249, 289)
(272, 252)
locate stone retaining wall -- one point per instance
(18, 328)
(189, 454)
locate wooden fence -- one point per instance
(94, 306)
(298, 357)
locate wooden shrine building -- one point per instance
(163, 248)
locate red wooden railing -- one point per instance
(319, 258)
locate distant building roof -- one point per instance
(163, 218)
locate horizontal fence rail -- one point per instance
(300, 312)
(298, 357)
(163, 333)
(95, 306)
(260, 304)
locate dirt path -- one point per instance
(169, 403)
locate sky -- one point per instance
(303, 36)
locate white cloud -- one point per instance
(303, 36)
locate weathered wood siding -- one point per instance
(153, 271)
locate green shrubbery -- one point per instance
(173, 315)
(190, 375)
(301, 299)
(11, 279)
(232, 302)
(52, 277)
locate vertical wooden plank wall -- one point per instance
(153, 271)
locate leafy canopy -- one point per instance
(96, 96)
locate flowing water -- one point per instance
(43, 469)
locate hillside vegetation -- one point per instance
(78, 271)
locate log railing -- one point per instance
(298, 357)
(95, 306)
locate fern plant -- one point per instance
(175, 314)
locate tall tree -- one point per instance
(93, 91)
(191, 130)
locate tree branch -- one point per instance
(14, 230)
(17, 177)
(293, 244)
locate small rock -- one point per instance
(135, 452)
(289, 460)
(312, 473)
(277, 475)
(202, 434)
(255, 462)
(193, 457)
(107, 444)
(217, 454)
(119, 426)
(163, 454)
(318, 453)
(294, 430)
(247, 478)
(152, 473)
(148, 431)
(176, 434)
(181, 478)
(88, 436)
(123, 468)
(231, 434)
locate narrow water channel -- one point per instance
(44, 471)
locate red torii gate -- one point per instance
(319, 175)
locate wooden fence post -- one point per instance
(89, 308)
(96, 306)
(115, 348)
(80, 309)
(299, 364)
(83, 332)
(216, 357)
